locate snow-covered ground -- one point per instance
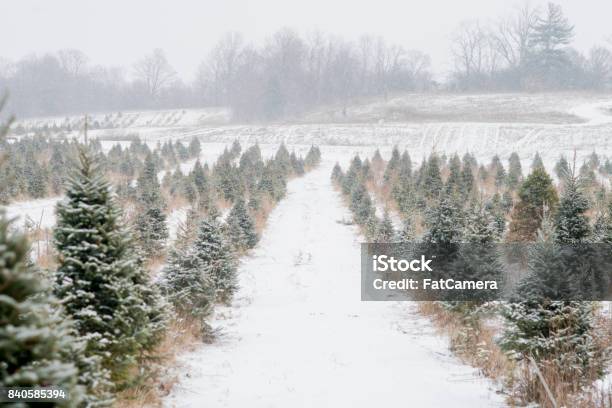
(40, 213)
(298, 334)
(133, 120)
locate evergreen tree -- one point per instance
(202, 185)
(441, 239)
(366, 171)
(227, 179)
(38, 344)
(408, 233)
(217, 258)
(187, 283)
(453, 182)
(371, 226)
(99, 277)
(515, 171)
(497, 168)
(548, 59)
(361, 204)
(537, 162)
(571, 224)
(352, 176)
(337, 174)
(151, 220)
(241, 227)
(588, 263)
(377, 161)
(194, 147)
(477, 258)
(538, 325)
(587, 176)
(467, 179)
(392, 166)
(386, 232)
(282, 159)
(313, 157)
(297, 165)
(235, 149)
(534, 193)
(562, 168)
(432, 180)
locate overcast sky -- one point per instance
(119, 32)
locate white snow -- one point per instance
(596, 113)
(298, 334)
(174, 220)
(40, 212)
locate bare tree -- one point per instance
(72, 61)
(599, 67)
(512, 35)
(418, 67)
(474, 53)
(219, 70)
(155, 72)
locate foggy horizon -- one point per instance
(187, 30)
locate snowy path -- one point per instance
(299, 336)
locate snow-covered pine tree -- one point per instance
(408, 232)
(187, 283)
(361, 204)
(477, 258)
(371, 226)
(587, 175)
(537, 324)
(444, 223)
(377, 161)
(467, 179)
(562, 168)
(537, 162)
(392, 166)
(227, 179)
(194, 147)
(236, 149)
(241, 227)
(587, 261)
(217, 257)
(515, 171)
(352, 176)
(366, 171)
(282, 158)
(313, 157)
(150, 221)
(453, 181)
(297, 164)
(432, 180)
(534, 193)
(37, 343)
(202, 186)
(571, 224)
(99, 277)
(337, 174)
(386, 232)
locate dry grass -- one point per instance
(474, 345)
(182, 335)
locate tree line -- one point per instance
(290, 73)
